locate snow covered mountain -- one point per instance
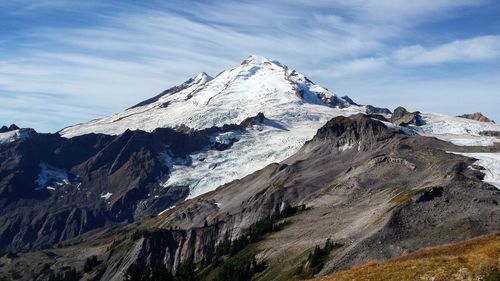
(257, 85)
(458, 130)
(13, 133)
(206, 132)
(466, 132)
(294, 108)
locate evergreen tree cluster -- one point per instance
(236, 269)
(66, 275)
(137, 234)
(90, 263)
(186, 271)
(155, 273)
(253, 234)
(316, 259)
(240, 269)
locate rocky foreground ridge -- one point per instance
(370, 190)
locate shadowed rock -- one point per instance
(478, 116)
(401, 117)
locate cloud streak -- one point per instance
(113, 55)
(477, 49)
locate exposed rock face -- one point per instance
(370, 188)
(377, 110)
(370, 109)
(198, 79)
(490, 133)
(401, 117)
(365, 170)
(357, 129)
(478, 116)
(5, 129)
(386, 183)
(252, 121)
(53, 189)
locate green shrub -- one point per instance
(316, 260)
(90, 263)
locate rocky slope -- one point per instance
(478, 116)
(474, 259)
(401, 117)
(294, 108)
(139, 162)
(14, 133)
(53, 188)
(374, 190)
(295, 164)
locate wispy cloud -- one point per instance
(106, 56)
(354, 67)
(477, 49)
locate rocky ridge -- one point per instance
(478, 116)
(365, 186)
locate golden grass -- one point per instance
(473, 259)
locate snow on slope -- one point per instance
(255, 149)
(257, 85)
(294, 108)
(489, 161)
(50, 175)
(459, 131)
(14, 135)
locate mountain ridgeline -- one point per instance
(53, 189)
(255, 174)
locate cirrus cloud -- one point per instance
(477, 49)
(103, 57)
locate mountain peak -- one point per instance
(12, 127)
(199, 79)
(202, 78)
(478, 116)
(257, 85)
(360, 129)
(256, 59)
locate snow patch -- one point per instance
(11, 136)
(491, 162)
(106, 196)
(226, 138)
(459, 131)
(167, 159)
(472, 140)
(162, 212)
(346, 147)
(49, 174)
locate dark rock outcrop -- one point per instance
(357, 129)
(478, 116)
(252, 121)
(5, 129)
(377, 110)
(349, 100)
(401, 117)
(393, 195)
(53, 189)
(169, 91)
(490, 133)
(362, 198)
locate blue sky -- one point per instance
(66, 62)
